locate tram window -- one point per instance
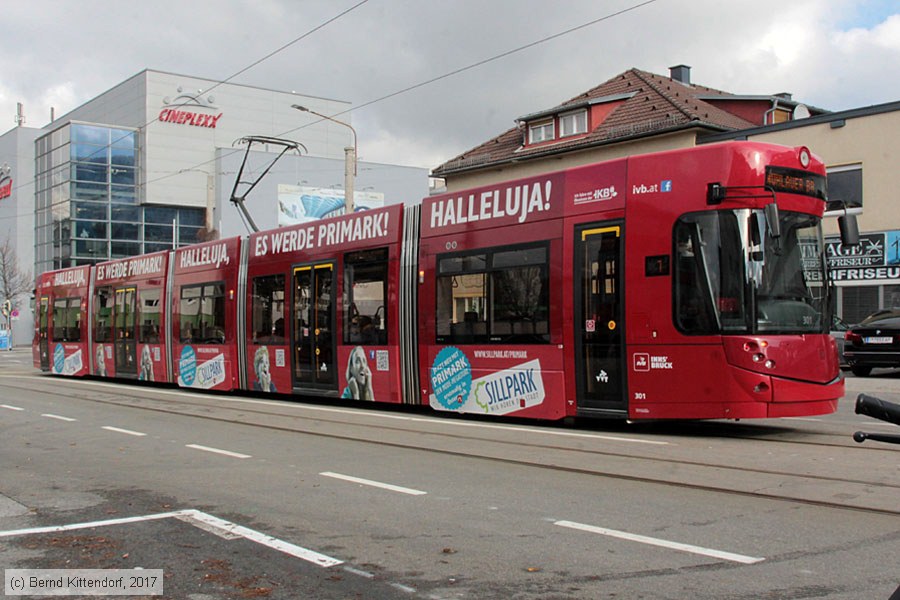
(67, 320)
(520, 299)
(709, 295)
(103, 314)
(365, 301)
(149, 315)
(43, 318)
(499, 296)
(202, 316)
(267, 319)
(693, 309)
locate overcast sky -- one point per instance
(832, 54)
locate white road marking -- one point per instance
(195, 517)
(125, 431)
(88, 525)
(365, 574)
(739, 558)
(378, 484)
(11, 407)
(58, 417)
(218, 451)
(264, 539)
(403, 588)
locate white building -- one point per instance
(151, 163)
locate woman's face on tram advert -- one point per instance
(359, 376)
(263, 375)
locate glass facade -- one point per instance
(88, 206)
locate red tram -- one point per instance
(61, 298)
(688, 284)
(126, 303)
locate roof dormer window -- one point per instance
(542, 131)
(573, 123)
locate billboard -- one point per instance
(298, 204)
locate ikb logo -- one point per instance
(641, 361)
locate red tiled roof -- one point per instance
(653, 104)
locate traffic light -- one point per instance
(7, 308)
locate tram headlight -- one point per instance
(804, 157)
(770, 364)
(758, 357)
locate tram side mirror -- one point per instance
(849, 230)
(715, 193)
(773, 220)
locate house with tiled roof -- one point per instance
(632, 113)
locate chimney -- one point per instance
(681, 73)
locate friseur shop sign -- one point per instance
(877, 258)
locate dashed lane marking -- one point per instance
(58, 417)
(218, 451)
(125, 431)
(378, 484)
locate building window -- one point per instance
(541, 132)
(845, 188)
(858, 302)
(573, 123)
(79, 170)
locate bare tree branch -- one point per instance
(14, 282)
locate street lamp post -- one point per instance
(350, 157)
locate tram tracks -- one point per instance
(736, 467)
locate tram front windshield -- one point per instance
(732, 275)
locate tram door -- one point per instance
(599, 335)
(313, 330)
(125, 332)
(43, 333)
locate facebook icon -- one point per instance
(665, 185)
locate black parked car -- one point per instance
(838, 331)
(875, 342)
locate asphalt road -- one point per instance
(236, 497)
